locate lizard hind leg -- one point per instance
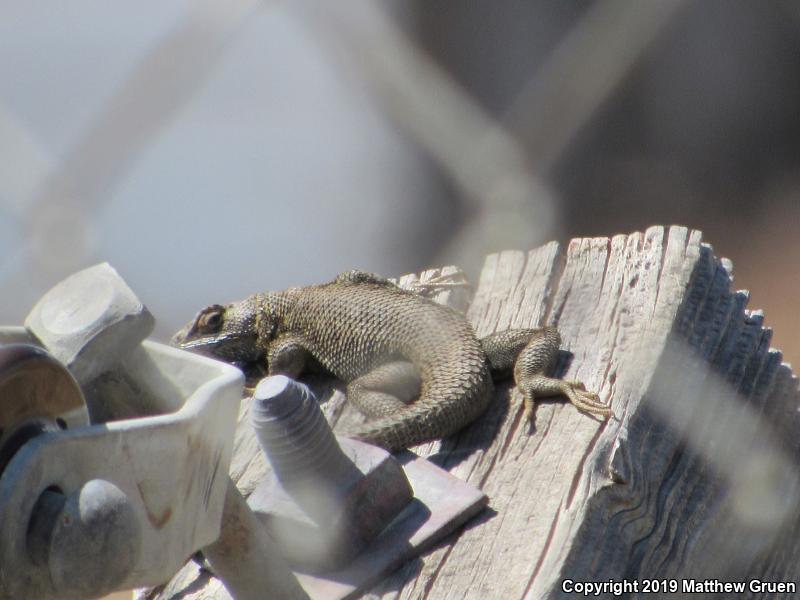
(529, 375)
(530, 353)
(385, 390)
(536, 386)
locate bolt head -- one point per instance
(90, 320)
(95, 541)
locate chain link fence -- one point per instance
(209, 150)
(81, 203)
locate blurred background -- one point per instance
(209, 150)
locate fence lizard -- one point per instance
(413, 366)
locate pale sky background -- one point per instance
(278, 172)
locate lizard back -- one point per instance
(353, 327)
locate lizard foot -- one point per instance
(575, 391)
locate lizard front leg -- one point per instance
(287, 355)
(530, 353)
(378, 393)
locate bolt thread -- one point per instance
(294, 434)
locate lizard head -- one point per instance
(231, 332)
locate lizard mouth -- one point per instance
(225, 347)
(209, 345)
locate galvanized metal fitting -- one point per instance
(85, 509)
(327, 501)
(296, 438)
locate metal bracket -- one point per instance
(172, 468)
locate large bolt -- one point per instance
(300, 446)
(88, 540)
(246, 559)
(348, 493)
(91, 321)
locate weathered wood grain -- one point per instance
(694, 477)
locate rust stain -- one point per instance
(210, 483)
(157, 521)
(189, 487)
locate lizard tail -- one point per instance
(440, 411)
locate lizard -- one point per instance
(414, 367)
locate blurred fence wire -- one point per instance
(500, 167)
(496, 166)
(579, 76)
(54, 200)
(481, 157)
(153, 93)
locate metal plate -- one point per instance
(172, 468)
(37, 394)
(442, 503)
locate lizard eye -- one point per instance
(211, 320)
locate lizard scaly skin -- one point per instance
(414, 366)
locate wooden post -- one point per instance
(694, 479)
